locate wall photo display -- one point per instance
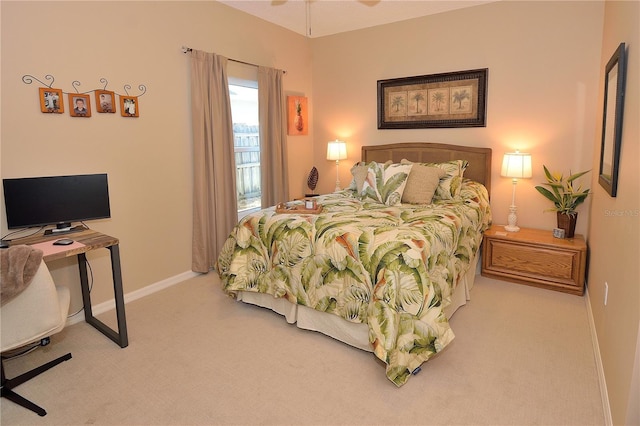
(51, 100)
(453, 99)
(79, 105)
(105, 101)
(129, 106)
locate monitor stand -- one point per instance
(65, 230)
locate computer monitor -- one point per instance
(55, 200)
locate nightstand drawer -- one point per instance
(533, 262)
(533, 257)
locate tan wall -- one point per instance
(543, 60)
(148, 159)
(615, 230)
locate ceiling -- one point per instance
(317, 18)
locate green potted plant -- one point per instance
(565, 198)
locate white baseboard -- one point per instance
(606, 407)
(134, 295)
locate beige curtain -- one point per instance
(273, 137)
(214, 182)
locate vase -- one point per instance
(567, 222)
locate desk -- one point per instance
(90, 240)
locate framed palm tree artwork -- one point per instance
(453, 99)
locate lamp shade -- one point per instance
(337, 150)
(516, 165)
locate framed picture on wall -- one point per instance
(79, 105)
(105, 101)
(51, 100)
(452, 99)
(297, 117)
(129, 106)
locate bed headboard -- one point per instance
(422, 152)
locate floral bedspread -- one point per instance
(393, 268)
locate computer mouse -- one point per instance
(63, 242)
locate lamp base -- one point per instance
(512, 219)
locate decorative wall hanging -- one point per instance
(79, 105)
(453, 99)
(51, 100)
(105, 101)
(129, 106)
(614, 87)
(297, 117)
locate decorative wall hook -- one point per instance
(28, 79)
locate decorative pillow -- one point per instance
(451, 182)
(359, 172)
(422, 184)
(385, 183)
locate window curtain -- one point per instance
(273, 137)
(214, 182)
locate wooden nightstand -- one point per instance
(534, 257)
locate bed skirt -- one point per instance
(354, 334)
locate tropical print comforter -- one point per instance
(391, 267)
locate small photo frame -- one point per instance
(51, 100)
(129, 106)
(79, 105)
(105, 101)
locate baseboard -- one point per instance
(606, 407)
(134, 295)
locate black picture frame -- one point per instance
(452, 99)
(613, 111)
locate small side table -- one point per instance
(535, 257)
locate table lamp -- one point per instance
(515, 165)
(337, 150)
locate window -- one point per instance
(246, 136)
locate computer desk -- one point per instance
(85, 241)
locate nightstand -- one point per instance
(535, 257)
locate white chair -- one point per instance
(31, 317)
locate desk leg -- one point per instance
(120, 337)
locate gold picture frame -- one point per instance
(129, 106)
(453, 99)
(105, 101)
(79, 105)
(51, 100)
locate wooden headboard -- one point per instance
(422, 152)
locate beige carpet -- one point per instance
(522, 356)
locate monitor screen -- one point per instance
(59, 200)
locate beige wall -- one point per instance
(543, 60)
(148, 159)
(615, 231)
(544, 95)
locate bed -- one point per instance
(382, 266)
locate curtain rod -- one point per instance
(188, 49)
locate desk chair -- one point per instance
(31, 317)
